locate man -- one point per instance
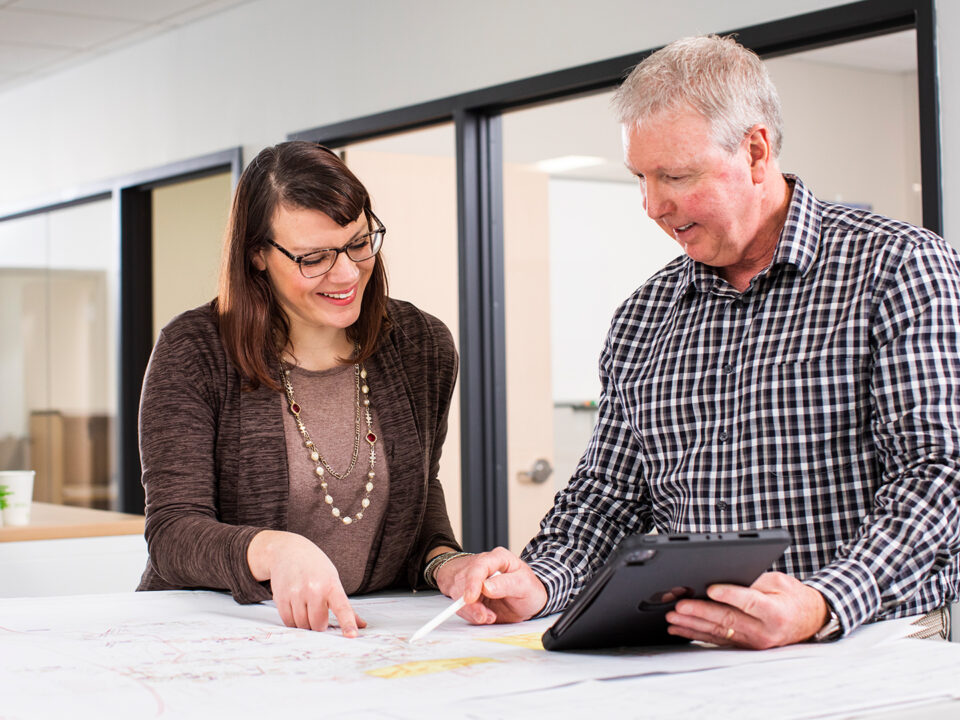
(799, 367)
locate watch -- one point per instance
(830, 631)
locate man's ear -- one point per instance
(759, 152)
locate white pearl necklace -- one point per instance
(322, 467)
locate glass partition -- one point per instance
(577, 241)
(852, 123)
(411, 178)
(58, 358)
(189, 219)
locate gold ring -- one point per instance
(729, 633)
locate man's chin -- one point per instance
(699, 253)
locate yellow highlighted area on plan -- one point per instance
(425, 667)
(531, 641)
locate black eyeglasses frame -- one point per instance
(381, 230)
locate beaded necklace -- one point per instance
(322, 467)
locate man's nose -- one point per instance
(655, 201)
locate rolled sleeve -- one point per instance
(850, 590)
(558, 580)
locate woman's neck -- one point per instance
(318, 348)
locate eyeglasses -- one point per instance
(316, 263)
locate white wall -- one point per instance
(602, 248)
(252, 74)
(851, 134)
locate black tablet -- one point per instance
(624, 604)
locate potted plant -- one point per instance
(4, 493)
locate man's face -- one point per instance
(701, 195)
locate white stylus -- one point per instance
(444, 614)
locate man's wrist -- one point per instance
(830, 630)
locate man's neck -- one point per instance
(775, 203)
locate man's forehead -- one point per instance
(666, 141)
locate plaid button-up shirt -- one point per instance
(824, 399)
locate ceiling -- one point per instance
(41, 37)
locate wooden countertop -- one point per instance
(51, 522)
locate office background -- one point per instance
(255, 72)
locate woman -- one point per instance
(290, 431)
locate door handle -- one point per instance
(537, 474)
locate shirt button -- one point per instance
(727, 368)
(722, 505)
(723, 436)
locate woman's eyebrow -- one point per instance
(364, 230)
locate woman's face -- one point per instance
(330, 301)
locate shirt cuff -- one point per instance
(850, 590)
(558, 581)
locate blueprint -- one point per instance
(199, 654)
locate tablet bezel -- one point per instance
(612, 609)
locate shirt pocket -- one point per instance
(812, 415)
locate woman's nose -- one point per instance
(344, 269)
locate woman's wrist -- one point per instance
(437, 562)
(260, 553)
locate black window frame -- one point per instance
(133, 219)
(476, 117)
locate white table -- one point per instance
(200, 655)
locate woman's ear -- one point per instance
(258, 262)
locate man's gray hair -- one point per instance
(714, 76)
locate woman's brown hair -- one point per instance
(299, 175)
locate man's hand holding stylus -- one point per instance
(514, 595)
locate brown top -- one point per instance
(328, 408)
(215, 467)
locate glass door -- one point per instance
(577, 241)
(411, 178)
(58, 321)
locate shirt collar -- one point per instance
(800, 237)
(798, 244)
